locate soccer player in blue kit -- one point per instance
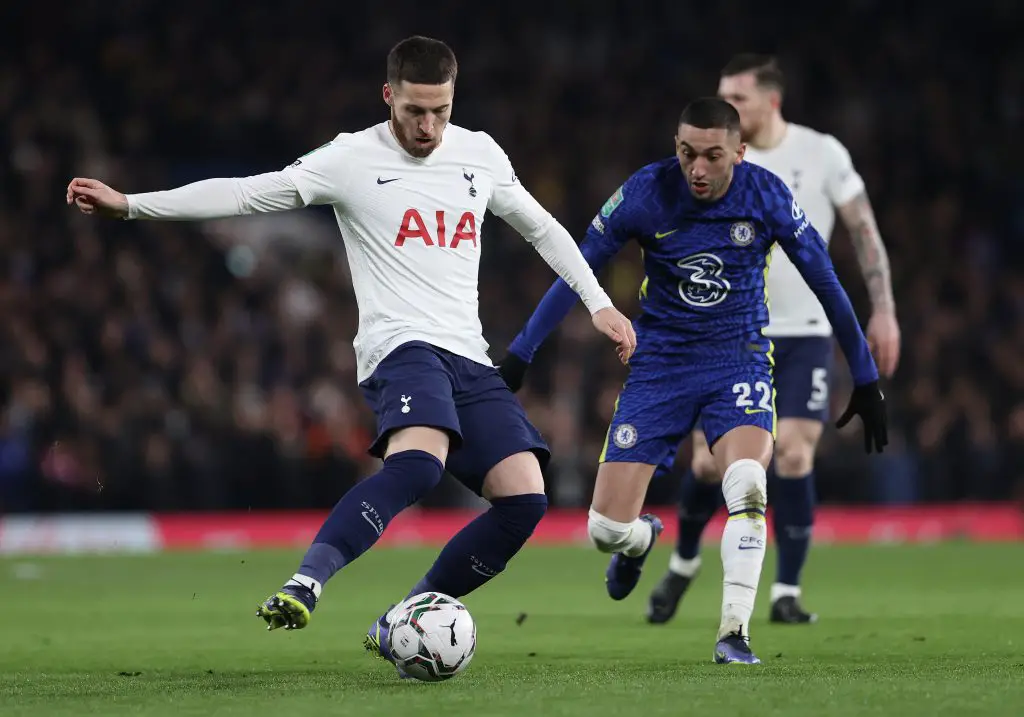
(706, 221)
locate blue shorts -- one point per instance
(803, 369)
(421, 385)
(658, 408)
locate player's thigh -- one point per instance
(502, 453)
(518, 474)
(620, 490)
(795, 443)
(419, 438)
(650, 420)
(412, 395)
(702, 462)
(738, 417)
(745, 442)
(802, 375)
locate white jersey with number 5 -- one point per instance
(820, 173)
(411, 228)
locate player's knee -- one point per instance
(518, 474)
(420, 471)
(793, 459)
(607, 535)
(519, 515)
(703, 465)
(745, 486)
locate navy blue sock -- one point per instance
(363, 513)
(793, 519)
(698, 502)
(483, 548)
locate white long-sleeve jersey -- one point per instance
(820, 173)
(411, 228)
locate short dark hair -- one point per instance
(765, 69)
(711, 113)
(422, 61)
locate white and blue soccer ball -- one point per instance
(432, 637)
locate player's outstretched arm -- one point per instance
(807, 250)
(883, 328)
(207, 199)
(318, 177)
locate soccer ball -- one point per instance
(432, 637)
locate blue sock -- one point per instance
(697, 505)
(363, 513)
(793, 519)
(483, 548)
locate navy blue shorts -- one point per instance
(418, 384)
(659, 406)
(803, 370)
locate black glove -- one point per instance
(868, 402)
(513, 370)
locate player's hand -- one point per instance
(94, 197)
(883, 336)
(513, 371)
(619, 329)
(868, 402)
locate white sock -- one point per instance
(306, 582)
(682, 566)
(611, 536)
(781, 590)
(743, 543)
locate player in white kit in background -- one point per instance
(410, 196)
(820, 173)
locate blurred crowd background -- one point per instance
(209, 366)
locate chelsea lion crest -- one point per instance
(625, 436)
(741, 233)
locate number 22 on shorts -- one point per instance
(744, 401)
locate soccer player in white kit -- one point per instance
(820, 173)
(410, 196)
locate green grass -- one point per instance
(905, 631)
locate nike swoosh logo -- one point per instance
(387, 181)
(485, 573)
(752, 411)
(662, 235)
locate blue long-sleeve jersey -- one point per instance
(704, 297)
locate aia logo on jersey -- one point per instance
(704, 286)
(413, 227)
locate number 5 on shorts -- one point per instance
(742, 391)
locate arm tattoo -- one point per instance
(867, 242)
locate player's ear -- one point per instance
(389, 96)
(740, 152)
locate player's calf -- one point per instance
(632, 539)
(631, 543)
(355, 524)
(483, 548)
(793, 515)
(743, 543)
(700, 497)
(613, 525)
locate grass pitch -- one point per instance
(904, 631)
